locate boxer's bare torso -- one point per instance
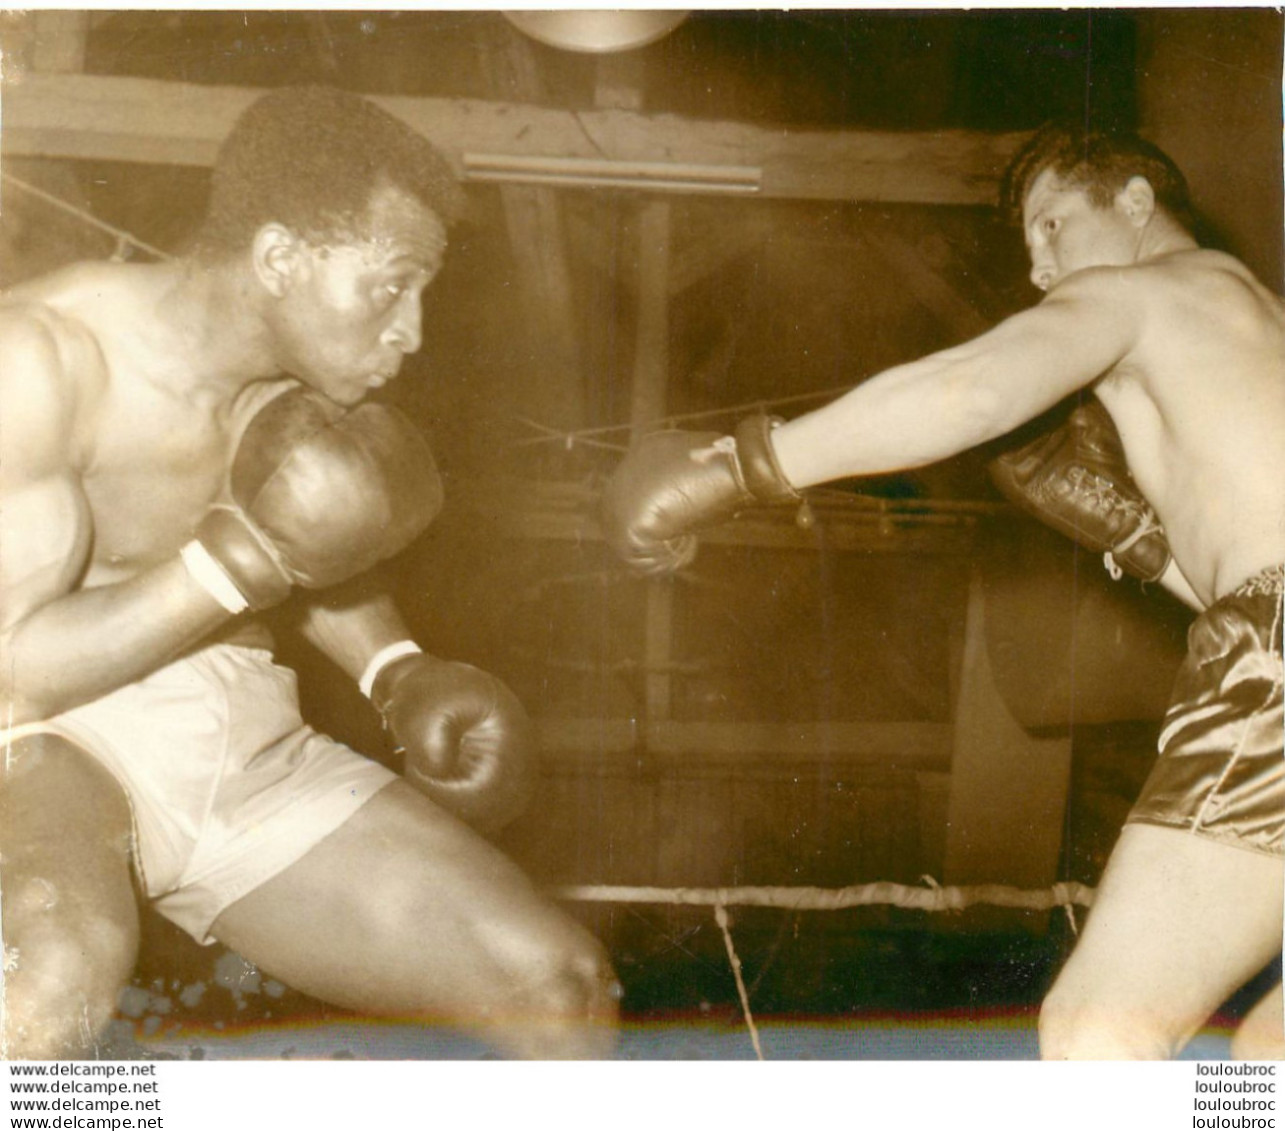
(130, 425)
(1200, 405)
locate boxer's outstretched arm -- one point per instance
(940, 405)
(673, 485)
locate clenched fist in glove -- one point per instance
(467, 739)
(319, 494)
(673, 484)
(1076, 480)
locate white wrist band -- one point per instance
(211, 577)
(382, 659)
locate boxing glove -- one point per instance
(467, 739)
(673, 484)
(1076, 480)
(319, 494)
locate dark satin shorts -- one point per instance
(1221, 770)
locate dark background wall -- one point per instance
(1209, 89)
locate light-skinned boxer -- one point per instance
(1185, 349)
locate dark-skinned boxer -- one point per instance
(186, 444)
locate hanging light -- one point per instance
(597, 32)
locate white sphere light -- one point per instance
(597, 32)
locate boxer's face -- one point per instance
(1067, 232)
(351, 312)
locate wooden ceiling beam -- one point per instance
(932, 289)
(113, 118)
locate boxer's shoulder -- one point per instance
(49, 329)
(39, 385)
(1196, 290)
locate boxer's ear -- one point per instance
(1137, 201)
(277, 256)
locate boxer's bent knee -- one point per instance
(63, 974)
(1072, 1028)
(68, 907)
(568, 1002)
(580, 982)
(55, 795)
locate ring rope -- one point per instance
(932, 897)
(586, 436)
(122, 237)
(720, 917)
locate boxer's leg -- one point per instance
(1178, 924)
(404, 911)
(69, 915)
(1261, 1035)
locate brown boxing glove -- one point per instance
(1075, 479)
(319, 494)
(467, 739)
(674, 484)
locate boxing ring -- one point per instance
(999, 1035)
(984, 1035)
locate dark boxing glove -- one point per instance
(673, 484)
(320, 494)
(1076, 480)
(467, 739)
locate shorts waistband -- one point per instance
(1268, 583)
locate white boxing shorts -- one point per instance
(227, 784)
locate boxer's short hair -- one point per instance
(310, 157)
(1100, 162)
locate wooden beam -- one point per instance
(648, 395)
(127, 119)
(914, 535)
(658, 650)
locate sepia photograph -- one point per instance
(718, 535)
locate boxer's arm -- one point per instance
(83, 644)
(351, 625)
(61, 645)
(940, 405)
(465, 739)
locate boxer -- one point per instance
(187, 444)
(1185, 349)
